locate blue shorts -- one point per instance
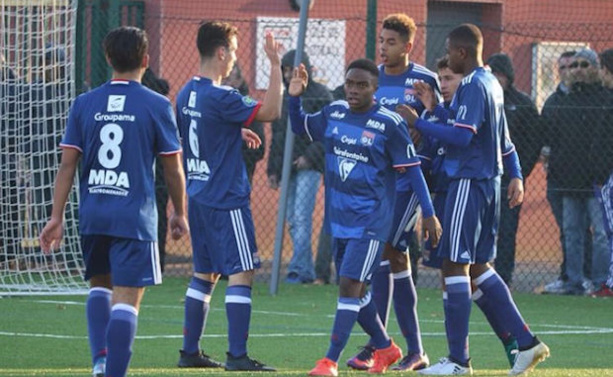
(405, 212)
(470, 224)
(131, 263)
(223, 241)
(431, 258)
(356, 258)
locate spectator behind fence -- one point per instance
(250, 156)
(524, 126)
(577, 121)
(604, 176)
(307, 168)
(554, 197)
(159, 85)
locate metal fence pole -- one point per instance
(287, 161)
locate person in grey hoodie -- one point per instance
(307, 168)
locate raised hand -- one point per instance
(425, 94)
(250, 138)
(408, 113)
(299, 81)
(272, 48)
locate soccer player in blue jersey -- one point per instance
(397, 74)
(116, 131)
(477, 143)
(211, 121)
(365, 145)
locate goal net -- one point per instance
(36, 88)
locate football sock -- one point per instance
(120, 337)
(98, 311)
(371, 323)
(494, 288)
(197, 305)
(405, 306)
(457, 315)
(347, 310)
(238, 312)
(382, 286)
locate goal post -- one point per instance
(37, 50)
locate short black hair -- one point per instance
(365, 64)
(442, 63)
(568, 54)
(606, 60)
(212, 35)
(125, 47)
(402, 24)
(467, 36)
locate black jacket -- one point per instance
(525, 129)
(601, 154)
(314, 98)
(574, 127)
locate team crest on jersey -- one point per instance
(409, 95)
(192, 99)
(249, 102)
(345, 166)
(367, 139)
(115, 103)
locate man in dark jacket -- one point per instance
(307, 167)
(524, 127)
(577, 121)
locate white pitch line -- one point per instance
(587, 329)
(297, 335)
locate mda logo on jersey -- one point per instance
(115, 103)
(248, 101)
(367, 139)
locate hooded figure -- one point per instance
(307, 168)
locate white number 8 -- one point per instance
(109, 154)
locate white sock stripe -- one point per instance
(101, 290)
(247, 249)
(235, 299)
(238, 239)
(196, 294)
(125, 308)
(350, 307)
(484, 276)
(457, 280)
(402, 275)
(477, 294)
(365, 300)
(384, 263)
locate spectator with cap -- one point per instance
(577, 121)
(524, 126)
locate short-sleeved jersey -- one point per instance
(119, 128)
(478, 105)
(362, 150)
(210, 118)
(395, 90)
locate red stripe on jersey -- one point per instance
(407, 165)
(470, 127)
(71, 147)
(253, 114)
(170, 153)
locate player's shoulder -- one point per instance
(384, 120)
(424, 73)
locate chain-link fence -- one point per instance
(533, 34)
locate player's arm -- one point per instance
(510, 158)
(312, 125)
(175, 181)
(459, 135)
(404, 158)
(52, 233)
(271, 106)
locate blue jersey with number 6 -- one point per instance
(210, 118)
(119, 128)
